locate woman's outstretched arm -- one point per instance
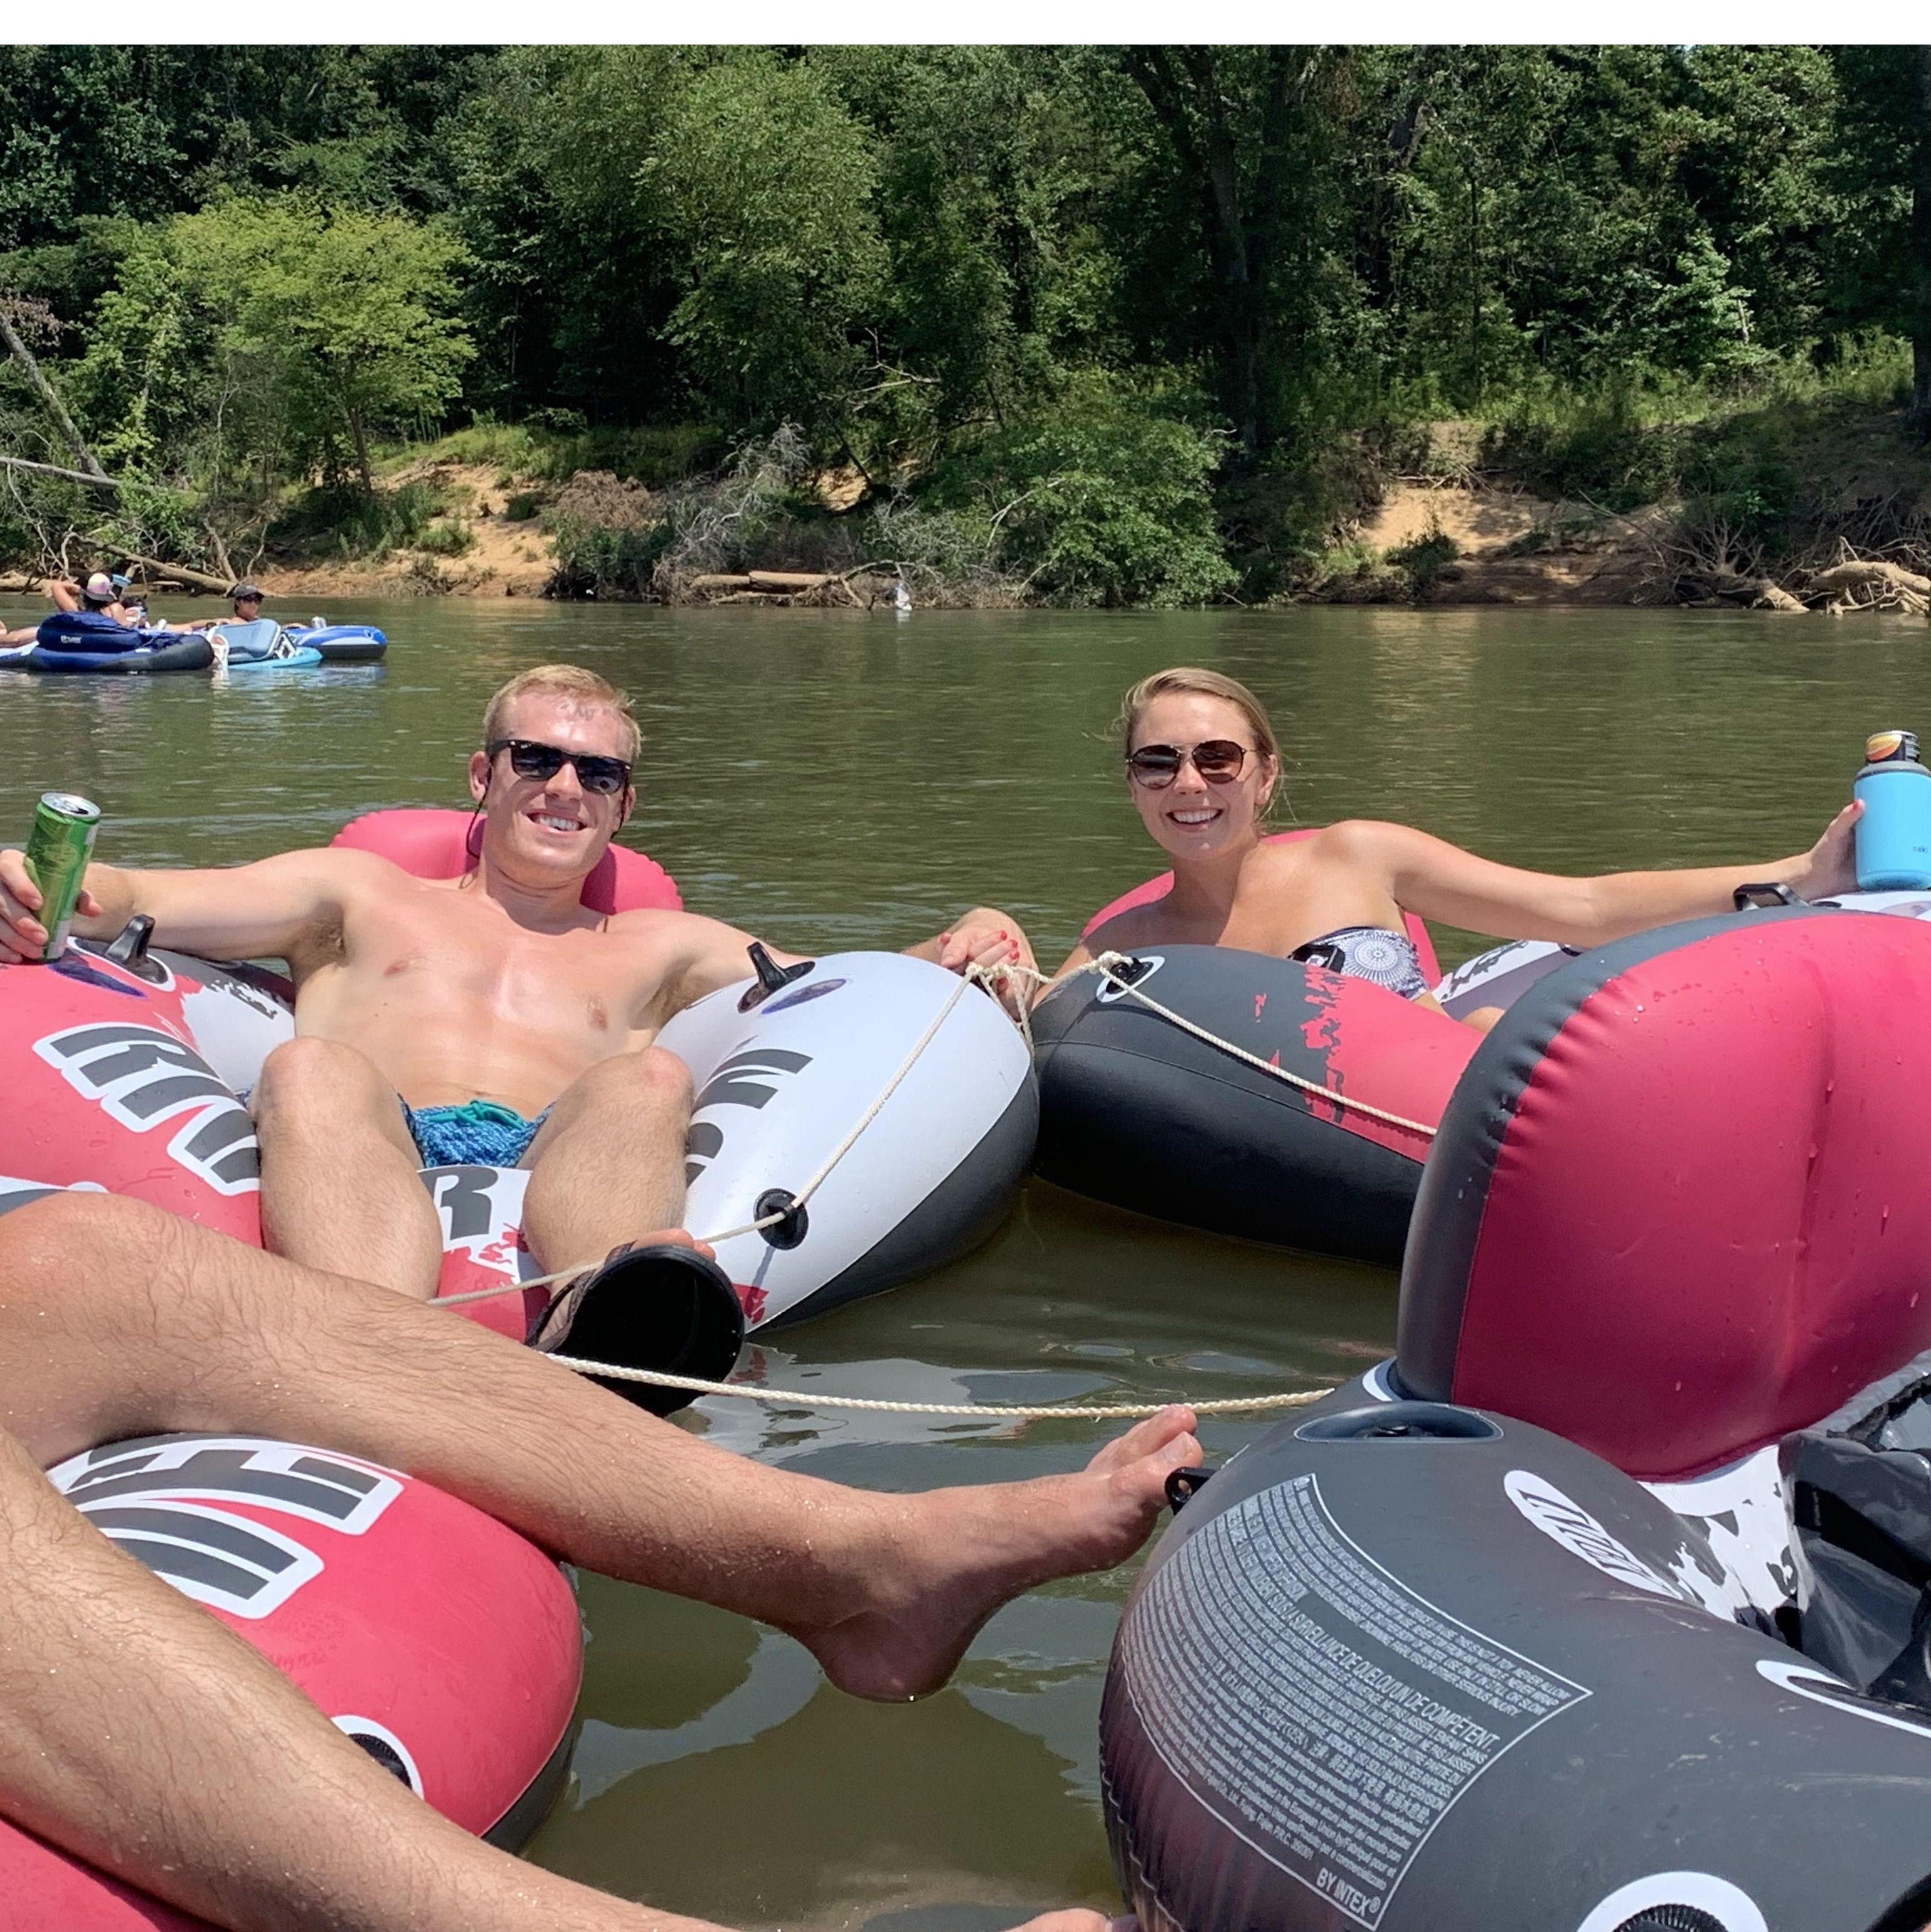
(1427, 875)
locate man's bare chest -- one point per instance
(447, 957)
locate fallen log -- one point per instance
(1878, 579)
(195, 580)
(1730, 587)
(788, 580)
(106, 483)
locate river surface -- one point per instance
(831, 780)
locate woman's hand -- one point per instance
(1831, 864)
(994, 942)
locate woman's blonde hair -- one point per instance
(1209, 684)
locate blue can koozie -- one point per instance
(1893, 836)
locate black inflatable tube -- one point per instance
(1457, 1678)
(1136, 1112)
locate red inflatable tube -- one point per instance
(1158, 888)
(445, 1644)
(1677, 1207)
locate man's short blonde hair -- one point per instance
(571, 682)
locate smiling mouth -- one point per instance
(1205, 815)
(556, 822)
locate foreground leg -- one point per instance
(340, 1190)
(608, 1164)
(137, 1732)
(117, 1318)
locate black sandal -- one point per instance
(663, 1307)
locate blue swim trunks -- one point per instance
(477, 1134)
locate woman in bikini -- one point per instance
(1201, 764)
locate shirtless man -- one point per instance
(136, 1732)
(491, 1017)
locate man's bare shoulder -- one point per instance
(659, 924)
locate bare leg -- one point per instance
(341, 1187)
(608, 1164)
(117, 1318)
(139, 1733)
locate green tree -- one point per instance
(768, 185)
(343, 317)
(1884, 164)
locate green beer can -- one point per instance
(58, 851)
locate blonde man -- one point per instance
(491, 1017)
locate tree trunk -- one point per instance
(1240, 220)
(360, 431)
(195, 580)
(106, 483)
(1920, 249)
(50, 396)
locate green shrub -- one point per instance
(339, 520)
(452, 538)
(605, 560)
(1423, 561)
(520, 508)
(1100, 498)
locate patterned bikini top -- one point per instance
(1368, 952)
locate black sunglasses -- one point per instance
(531, 759)
(1218, 760)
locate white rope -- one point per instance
(802, 1399)
(1106, 966)
(972, 975)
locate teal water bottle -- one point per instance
(1894, 835)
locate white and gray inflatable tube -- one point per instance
(1500, 975)
(782, 1080)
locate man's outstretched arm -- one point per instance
(717, 953)
(270, 909)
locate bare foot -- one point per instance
(960, 1554)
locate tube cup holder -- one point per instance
(661, 1308)
(1401, 1422)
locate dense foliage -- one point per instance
(1120, 321)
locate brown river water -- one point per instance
(838, 780)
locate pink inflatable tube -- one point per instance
(446, 1645)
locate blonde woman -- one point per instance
(1201, 764)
